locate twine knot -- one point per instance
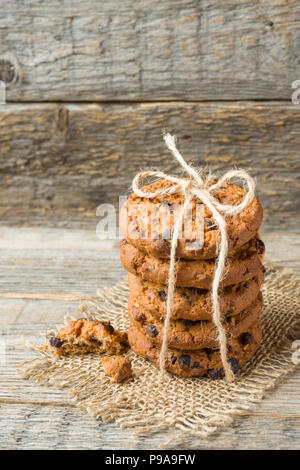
(196, 186)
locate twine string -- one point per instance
(197, 187)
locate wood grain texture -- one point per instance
(57, 427)
(39, 417)
(41, 262)
(59, 161)
(33, 266)
(137, 50)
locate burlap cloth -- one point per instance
(191, 406)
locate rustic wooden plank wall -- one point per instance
(151, 50)
(90, 85)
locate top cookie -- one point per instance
(148, 223)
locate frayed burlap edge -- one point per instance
(191, 406)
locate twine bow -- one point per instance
(197, 186)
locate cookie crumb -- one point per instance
(118, 368)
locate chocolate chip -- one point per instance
(207, 351)
(260, 246)
(215, 373)
(246, 338)
(196, 365)
(56, 342)
(264, 270)
(152, 331)
(108, 327)
(187, 298)
(140, 317)
(210, 224)
(162, 295)
(234, 364)
(167, 204)
(184, 361)
(173, 360)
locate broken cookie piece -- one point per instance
(118, 368)
(84, 336)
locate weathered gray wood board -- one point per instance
(140, 50)
(55, 427)
(35, 417)
(63, 265)
(43, 272)
(59, 161)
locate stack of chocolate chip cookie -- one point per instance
(193, 348)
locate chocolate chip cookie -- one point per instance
(204, 362)
(143, 223)
(184, 334)
(243, 265)
(192, 303)
(83, 336)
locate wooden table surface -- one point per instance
(43, 273)
(88, 86)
